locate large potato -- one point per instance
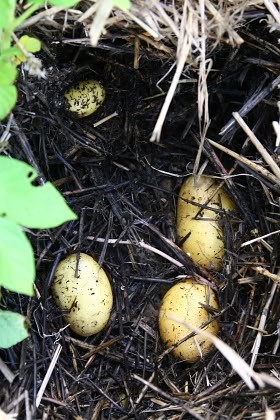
(183, 302)
(86, 299)
(201, 234)
(85, 98)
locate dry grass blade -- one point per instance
(264, 153)
(273, 10)
(267, 273)
(39, 17)
(183, 51)
(6, 371)
(255, 167)
(48, 374)
(259, 238)
(270, 414)
(4, 416)
(200, 20)
(237, 363)
(104, 9)
(261, 326)
(141, 244)
(252, 102)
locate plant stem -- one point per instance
(25, 15)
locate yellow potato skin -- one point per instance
(85, 98)
(87, 299)
(183, 301)
(205, 242)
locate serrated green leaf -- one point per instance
(17, 265)
(8, 73)
(63, 3)
(12, 329)
(31, 44)
(7, 8)
(8, 99)
(123, 4)
(38, 207)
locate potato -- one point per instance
(204, 236)
(85, 98)
(86, 299)
(183, 301)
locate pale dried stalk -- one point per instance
(184, 49)
(142, 244)
(276, 127)
(6, 372)
(257, 168)
(105, 119)
(272, 10)
(166, 18)
(48, 375)
(261, 326)
(224, 24)
(4, 416)
(90, 11)
(259, 238)
(142, 24)
(245, 371)
(103, 12)
(270, 414)
(266, 273)
(205, 66)
(264, 153)
(27, 405)
(40, 17)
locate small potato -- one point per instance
(183, 302)
(85, 98)
(86, 299)
(198, 228)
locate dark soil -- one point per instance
(124, 187)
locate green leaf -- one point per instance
(38, 2)
(7, 8)
(12, 329)
(31, 44)
(9, 52)
(39, 207)
(17, 266)
(123, 4)
(8, 73)
(8, 99)
(63, 3)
